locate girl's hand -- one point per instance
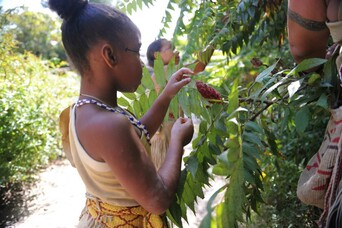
(183, 130)
(179, 79)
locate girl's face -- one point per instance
(167, 52)
(131, 64)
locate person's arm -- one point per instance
(155, 115)
(114, 140)
(307, 31)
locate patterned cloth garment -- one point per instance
(321, 179)
(100, 214)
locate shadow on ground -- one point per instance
(14, 203)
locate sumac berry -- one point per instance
(207, 91)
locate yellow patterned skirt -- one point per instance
(100, 214)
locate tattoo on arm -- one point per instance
(306, 23)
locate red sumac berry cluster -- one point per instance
(207, 91)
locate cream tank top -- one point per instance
(97, 176)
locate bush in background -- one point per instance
(32, 95)
(31, 99)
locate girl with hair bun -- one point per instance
(108, 145)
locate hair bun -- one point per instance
(67, 8)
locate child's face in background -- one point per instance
(167, 52)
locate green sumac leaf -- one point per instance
(220, 125)
(250, 163)
(144, 103)
(250, 149)
(221, 170)
(139, 3)
(184, 102)
(214, 148)
(308, 64)
(192, 165)
(251, 137)
(273, 88)
(313, 78)
(253, 126)
(302, 119)
(199, 141)
(196, 186)
(265, 73)
(129, 8)
(234, 197)
(202, 174)
(147, 79)
(140, 90)
(130, 96)
(159, 71)
(323, 101)
(233, 155)
(152, 96)
(174, 213)
(271, 140)
(223, 157)
(328, 76)
(203, 126)
(233, 97)
(257, 93)
(194, 101)
(174, 108)
(191, 195)
(206, 115)
(123, 102)
(249, 177)
(182, 180)
(137, 109)
(235, 112)
(171, 68)
(232, 126)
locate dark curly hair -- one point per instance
(154, 47)
(84, 24)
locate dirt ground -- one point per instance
(59, 197)
(58, 201)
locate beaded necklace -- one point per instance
(117, 109)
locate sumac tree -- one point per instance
(271, 118)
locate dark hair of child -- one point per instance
(154, 47)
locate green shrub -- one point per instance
(31, 98)
(282, 208)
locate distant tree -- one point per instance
(35, 32)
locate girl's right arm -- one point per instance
(115, 141)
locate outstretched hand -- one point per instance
(177, 81)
